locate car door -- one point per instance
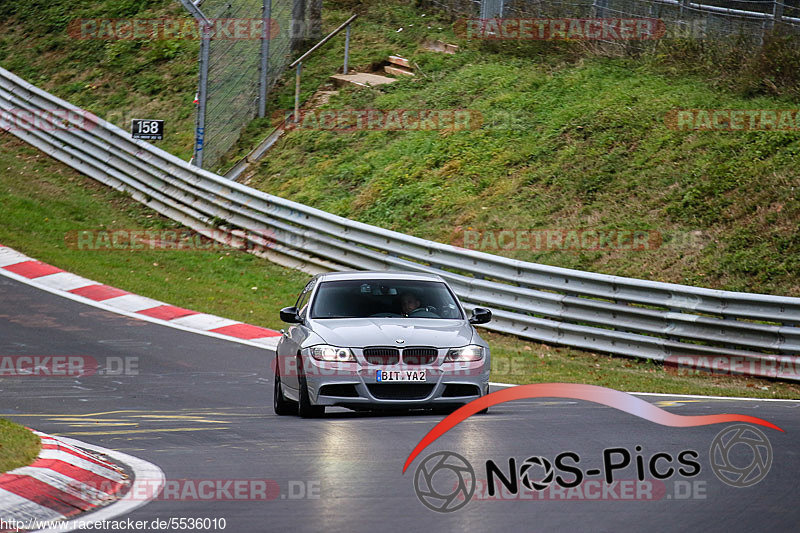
(293, 338)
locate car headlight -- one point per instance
(323, 352)
(472, 352)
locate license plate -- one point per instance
(387, 376)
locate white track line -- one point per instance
(667, 395)
(148, 479)
(101, 305)
(712, 397)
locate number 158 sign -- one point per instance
(150, 130)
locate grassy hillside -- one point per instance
(116, 80)
(569, 141)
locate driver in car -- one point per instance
(409, 303)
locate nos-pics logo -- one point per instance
(740, 455)
(445, 481)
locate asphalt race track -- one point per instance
(200, 408)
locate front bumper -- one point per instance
(356, 384)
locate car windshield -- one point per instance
(384, 299)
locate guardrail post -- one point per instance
(266, 36)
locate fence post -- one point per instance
(298, 24)
(777, 13)
(684, 8)
(200, 132)
(315, 20)
(492, 9)
(202, 92)
(297, 92)
(266, 35)
(346, 48)
(600, 8)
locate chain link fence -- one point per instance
(707, 19)
(241, 59)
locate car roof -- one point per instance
(378, 274)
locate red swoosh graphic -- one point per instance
(590, 393)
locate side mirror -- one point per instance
(290, 316)
(480, 315)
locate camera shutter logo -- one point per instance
(525, 473)
(450, 466)
(727, 458)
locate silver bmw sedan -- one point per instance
(379, 340)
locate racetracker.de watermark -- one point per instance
(733, 119)
(351, 120)
(17, 119)
(67, 366)
(290, 366)
(766, 366)
(564, 239)
(598, 490)
(552, 29)
(132, 29)
(169, 240)
(208, 490)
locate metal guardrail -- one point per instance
(599, 312)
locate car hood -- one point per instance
(361, 332)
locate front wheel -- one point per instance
(305, 409)
(281, 405)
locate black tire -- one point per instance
(305, 409)
(281, 405)
(484, 411)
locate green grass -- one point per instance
(43, 202)
(18, 446)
